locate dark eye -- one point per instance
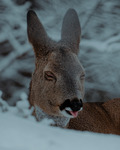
(49, 76)
(82, 77)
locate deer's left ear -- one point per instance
(71, 30)
(37, 34)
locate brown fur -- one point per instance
(59, 76)
(59, 58)
(99, 117)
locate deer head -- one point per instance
(57, 85)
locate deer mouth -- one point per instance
(71, 108)
(68, 112)
(72, 113)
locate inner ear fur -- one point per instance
(71, 30)
(37, 34)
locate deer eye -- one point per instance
(49, 76)
(82, 77)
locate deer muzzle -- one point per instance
(71, 108)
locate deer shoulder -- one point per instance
(98, 117)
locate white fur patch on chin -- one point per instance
(65, 114)
(59, 121)
(68, 108)
(81, 108)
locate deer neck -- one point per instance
(58, 120)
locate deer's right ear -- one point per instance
(36, 34)
(71, 30)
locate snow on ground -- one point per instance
(20, 134)
(20, 131)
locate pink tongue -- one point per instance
(74, 113)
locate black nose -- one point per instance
(76, 104)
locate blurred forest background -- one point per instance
(99, 47)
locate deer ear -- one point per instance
(71, 30)
(36, 34)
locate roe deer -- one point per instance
(57, 85)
